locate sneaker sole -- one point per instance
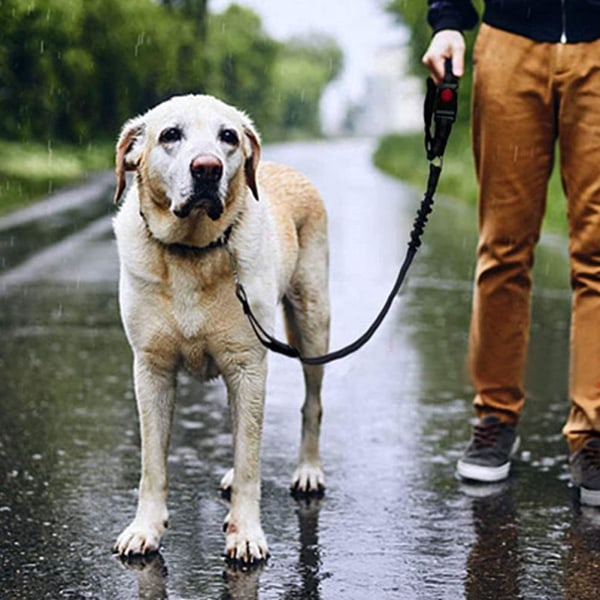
(589, 497)
(484, 474)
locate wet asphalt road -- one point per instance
(394, 523)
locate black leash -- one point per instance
(439, 113)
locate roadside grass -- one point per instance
(403, 157)
(29, 171)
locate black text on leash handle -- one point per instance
(440, 113)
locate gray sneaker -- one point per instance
(487, 457)
(585, 472)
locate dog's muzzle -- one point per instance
(206, 171)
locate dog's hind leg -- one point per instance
(306, 310)
(155, 394)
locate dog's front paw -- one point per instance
(308, 479)
(245, 544)
(141, 537)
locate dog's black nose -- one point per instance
(206, 167)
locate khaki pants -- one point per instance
(526, 96)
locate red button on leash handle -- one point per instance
(445, 105)
(446, 95)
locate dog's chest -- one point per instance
(196, 290)
(186, 304)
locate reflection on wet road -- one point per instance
(394, 522)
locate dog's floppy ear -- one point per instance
(251, 163)
(128, 152)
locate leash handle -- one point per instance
(440, 109)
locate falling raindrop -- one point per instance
(139, 43)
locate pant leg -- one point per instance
(514, 134)
(578, 81)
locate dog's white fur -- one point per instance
(178, 302)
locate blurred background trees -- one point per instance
(75, 70)
(306, 65)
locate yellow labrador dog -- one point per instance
(200, 199)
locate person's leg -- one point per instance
(513, 141)
(578, 79)
(514, 136)
(579, 127)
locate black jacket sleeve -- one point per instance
(451, 14)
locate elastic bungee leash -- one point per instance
(440, 113)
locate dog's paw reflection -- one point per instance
(242, 581)
(151, 570)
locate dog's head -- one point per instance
(187, 151)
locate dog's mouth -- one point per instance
(205, 198)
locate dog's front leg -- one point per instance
(244, 538)
(155, 393)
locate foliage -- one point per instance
(279, 84)
(195, 10)
(240, 62)
(304, 68)
(75, 70)
(29, 170)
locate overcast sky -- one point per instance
(360, 27)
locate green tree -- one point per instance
(279, 84)
(305, 66)
(75, 70)
(196, 10)
(240, 60)
(72, 69)
(28, 64)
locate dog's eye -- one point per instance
(170, 135)
(229, 136)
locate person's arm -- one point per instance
(448, 18)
